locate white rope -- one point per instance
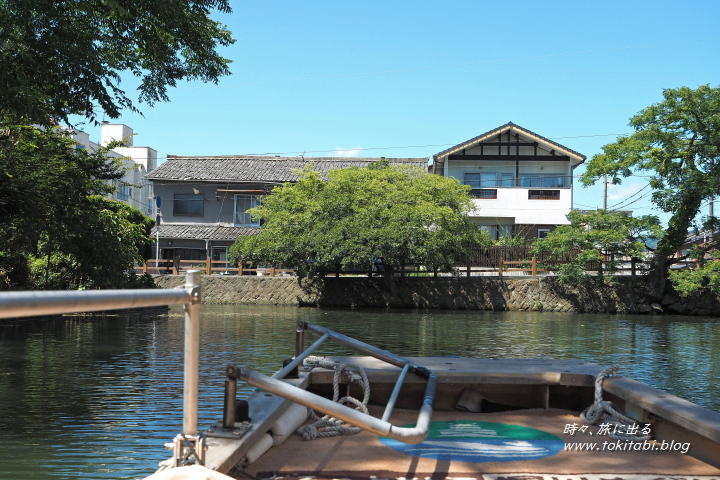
(603, 411)
(328, 426)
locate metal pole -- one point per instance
(298, 360)
(27, 304)
(396, 391)
(299, 338)
(192, 356)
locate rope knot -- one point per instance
(603, 411)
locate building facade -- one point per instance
(137, 161)
(204, 200)
(521, 182)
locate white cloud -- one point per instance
(623, 191)
(347, 152)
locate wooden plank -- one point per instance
(224, 453)
(470, 370)
(510, 158)
(695, 418)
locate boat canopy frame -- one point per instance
(379, 426)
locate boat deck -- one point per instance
(365, 456)
(526, 443)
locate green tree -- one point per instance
(704, 276)
(49, 209)
(399, 214)
(63, 57)
(676, 142)
(99, 250)
(598, 237)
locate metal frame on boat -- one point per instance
(432, 383)
(378, 426)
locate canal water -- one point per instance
(96, 397)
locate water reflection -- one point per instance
(96, 397)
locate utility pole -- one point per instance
(712, 206)
(605, 182)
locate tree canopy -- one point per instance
(677, 143)
(52, 213)
(63, 57)
(602, 238)
(60, 58)
(397, 214)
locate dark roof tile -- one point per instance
(203, 232)
(262, 169)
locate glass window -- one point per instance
(487, 193)
(124, 191)
(189, 205)
(505, 231)
(488, 179)
(243, 203)
(472, 179)
(543, 194)
(507, 180)
(491, 230)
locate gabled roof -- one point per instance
(203, 232)
(502, 129)
(260, 169)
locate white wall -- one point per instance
(514, 203)
(137, 160)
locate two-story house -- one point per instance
(137, 161)
(204, 200)
(521, 181)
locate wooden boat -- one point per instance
(438, 417)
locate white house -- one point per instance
(521, 181)
(133, 188)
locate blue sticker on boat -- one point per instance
(475, 441)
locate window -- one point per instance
(505, 231)
(542, 232)
(543, 194)
(552, 180)
(489, 179)
(189, 205)
(491, 230)
(124, 191)
(507, 180)
(485, 193)
(243, 203)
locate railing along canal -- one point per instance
(37, 303)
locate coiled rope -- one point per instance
(328, 426)
(603, 411)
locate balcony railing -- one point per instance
(530, 180)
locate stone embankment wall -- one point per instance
(475, 293)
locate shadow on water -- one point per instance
(98, 396)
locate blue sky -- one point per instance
(409, 79)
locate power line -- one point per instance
(631, 196)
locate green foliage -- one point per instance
(398, 214)
(517, 240)
(56, 229)
(599, 237)
(676, 141)
(705, 276)
(62, 57)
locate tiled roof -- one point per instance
(203, 232)
(502, 128)
(263, 169)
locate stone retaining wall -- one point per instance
(460, 293)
